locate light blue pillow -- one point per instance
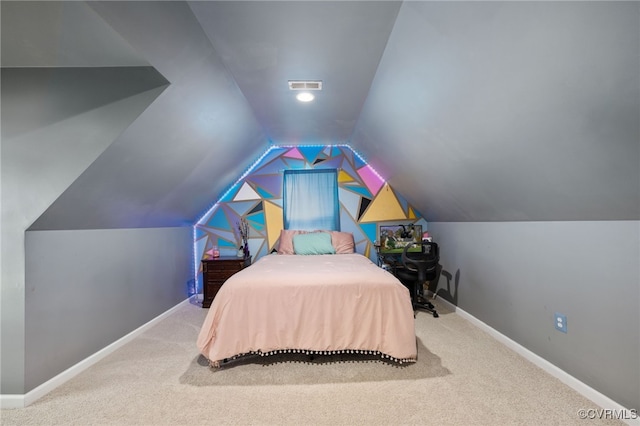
(313, 243)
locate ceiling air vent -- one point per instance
(305, 84)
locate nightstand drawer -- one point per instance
(215, 272)
(234, 265)
(223, 274)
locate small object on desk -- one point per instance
(216, 251)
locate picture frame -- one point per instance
(394, 238)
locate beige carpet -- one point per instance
(462, 377)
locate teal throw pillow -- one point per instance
(313, 243)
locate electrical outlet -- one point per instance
(561, 322)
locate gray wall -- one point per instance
(514, 276)
(52, 130)
(518, 122)
(87, 289)
(100, 141)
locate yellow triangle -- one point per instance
(384, 207)
(273, 218)
(412, 214)
(344, 177)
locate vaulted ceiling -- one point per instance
(474, 111)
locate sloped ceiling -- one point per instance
(510, 111)
(474, 111)
(265, 44)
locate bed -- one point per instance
(315, 304)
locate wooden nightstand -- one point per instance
(216, 271)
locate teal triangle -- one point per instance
(228, 196)
(293, 163)
(219, 220)
(256, 226)
(205, 217)
(359, 189)
(257, 218)
(370, 229)
(227, 235)
(263, 193)
(200, 232)
(226, 243)
(310, 152)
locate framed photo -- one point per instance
(394, 238)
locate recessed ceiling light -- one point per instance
(305, 97)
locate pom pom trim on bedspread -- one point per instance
(216, 364)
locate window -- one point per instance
(311, 200)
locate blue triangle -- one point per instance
(359, 189)
(228, 196)
(370, 229)
(225, 243)
(295, 164)
(200, 232)
(257, 218)
(310, 152)
(263, 193)
(219, 220)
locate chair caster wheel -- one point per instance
(435, 315)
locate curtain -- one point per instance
(311, 200)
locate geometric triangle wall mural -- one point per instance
(365, 199)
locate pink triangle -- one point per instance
(293, 153)
(371, 179)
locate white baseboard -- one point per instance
(585, 390)
(21, 401)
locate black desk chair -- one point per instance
(419, 266)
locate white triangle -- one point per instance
(246, 193)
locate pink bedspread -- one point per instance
(316, 304)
